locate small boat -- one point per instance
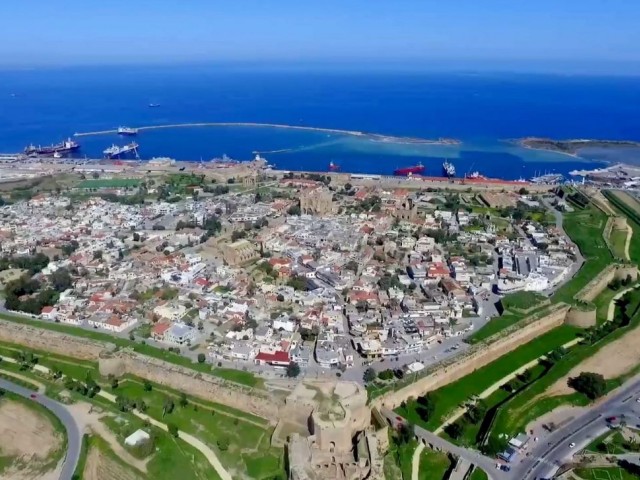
(449, 169)
(154, 105)
(333, 167)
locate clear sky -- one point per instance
(594, 33)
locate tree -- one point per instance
(454, 430)
(406, 433)
(348, 186)
(352, 265)
(172, 429)
(426, 406)
(293, 370)
(183, 400)
(476, 412)
(369, 375)
(592, 385)
(167, 406)
(201, 358)
(146, 385)
(97, 255)
(60, 279)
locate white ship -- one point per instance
(127, 131)
(116, 151)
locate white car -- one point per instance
(638, 400)
(572, 445)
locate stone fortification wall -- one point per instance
(51, 341)
(119, 363)
(581, 317)
(478, 356)
(190, 382)
(596, 286)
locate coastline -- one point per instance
(570, 147)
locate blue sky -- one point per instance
(594, 33)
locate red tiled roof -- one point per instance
(278, 356)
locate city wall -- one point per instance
(479, 355)
(51, 341)
(189, 381)
(596, 286)
(582, 317)
(119, 363)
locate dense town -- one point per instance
(288, 276)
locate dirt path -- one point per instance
(88, 419)
(415, 461)
(627, 244)
(190, 439)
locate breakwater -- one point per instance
(354, 133)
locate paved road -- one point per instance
(74, 435)
(546, 456)
(545, 459)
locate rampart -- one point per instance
(596, 286)
(477, 357)
(208, 387)
(581, 316)
(51, 341)
(190, 382)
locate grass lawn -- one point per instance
(522, 300)
(109, 183)
(585, 228)
(238, 376)
(172, 458)
(478, 474)
(248, 444)
(531, 404)
(618, 239)
(433, 465)
(611, 473)
(455, 394)
(126, 343)
(619, 203)
(611, 443)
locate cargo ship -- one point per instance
(333, 167)
(67, 146)
(406, 171)
(115, 151)
(127, 131)
(449, 169)
(547, 178)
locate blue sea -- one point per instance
(482, 110)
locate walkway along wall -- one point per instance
(205, 386)
(477, 357)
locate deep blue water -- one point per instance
(45, 106)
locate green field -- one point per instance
(522, 300)
(433, 465)
(611, 473)
(241, 440)
(109, 183)
(617, 240)
(478, 474)
(531, 404)
(630, 209)
(457, 393)
(585, 228)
